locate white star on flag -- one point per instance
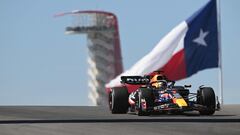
(200, 39)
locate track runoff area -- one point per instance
(62, 120)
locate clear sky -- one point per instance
(40, 65)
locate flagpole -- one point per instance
(220, 53)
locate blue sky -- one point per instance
(40, 65)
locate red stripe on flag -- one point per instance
(175, 69)
(130, 88)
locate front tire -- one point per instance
(145, 98)
(118, 100)
(206, 97)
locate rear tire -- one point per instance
(147, 95)
(206, 97)
(118, 100)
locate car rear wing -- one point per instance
(135, 80)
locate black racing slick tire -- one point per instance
(206, 97)
(145, 94)
(118, 100)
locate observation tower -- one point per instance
(104, 52)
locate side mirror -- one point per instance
(187, 86)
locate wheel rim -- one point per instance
(111, 100)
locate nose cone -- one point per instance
(181, 102)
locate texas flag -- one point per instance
(190, 47)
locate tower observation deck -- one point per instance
(104, 52)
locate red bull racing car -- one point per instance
(158, 94)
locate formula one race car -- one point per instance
(158, 94)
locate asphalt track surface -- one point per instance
(83, 120)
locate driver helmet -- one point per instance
(158, 82)
(161, 85)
